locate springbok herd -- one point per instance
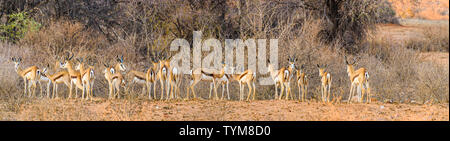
(170, 77)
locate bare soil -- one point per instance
(201, 110)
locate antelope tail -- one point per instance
(366, 75)
(175, 71)
(92, 73)
(286, 74)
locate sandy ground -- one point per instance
(261, 110)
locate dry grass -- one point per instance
(413, 65)
(263, 110)
(400, 69)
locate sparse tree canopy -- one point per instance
(347, 21)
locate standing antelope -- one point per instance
(150, 78)
(359, 79)
(87, 77)
(30, 74)
(225, 81)
(162, 76)
(44, 79)
(302, 83)
(115, 77)
(291, 69)
(174, 79)
(280, 77)
(216, 77)
(248, 77)
(115, 80)
(138, 77)
(75, 76)
(55, 79)
(203, 74)
(109, 71)
(326, 82)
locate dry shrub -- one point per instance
(433, 83)
(435, 38)
(11, 88)
(398, 74)
(60, 37)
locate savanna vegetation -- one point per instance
(314, 31)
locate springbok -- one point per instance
(291, 68)
(75, 76)
(55, 79)
(326, 82)
(203, 74)
(137, 77)
(87, 77)
(150, 78)
(174, 81)
(359, 79)
(225, 81)
(302, 83)
(280, 77)
(248, 77)
(115, 78)
(30, 74)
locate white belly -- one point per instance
(206, 78)
(59, 81)
(74, 80)
(28, 75)
(137, 80)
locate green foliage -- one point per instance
(17, 26)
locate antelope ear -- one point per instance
(12, 59)
(318, 65)
(20, 59)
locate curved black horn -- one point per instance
(117, 58)
(345, 60)
(70, 58)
